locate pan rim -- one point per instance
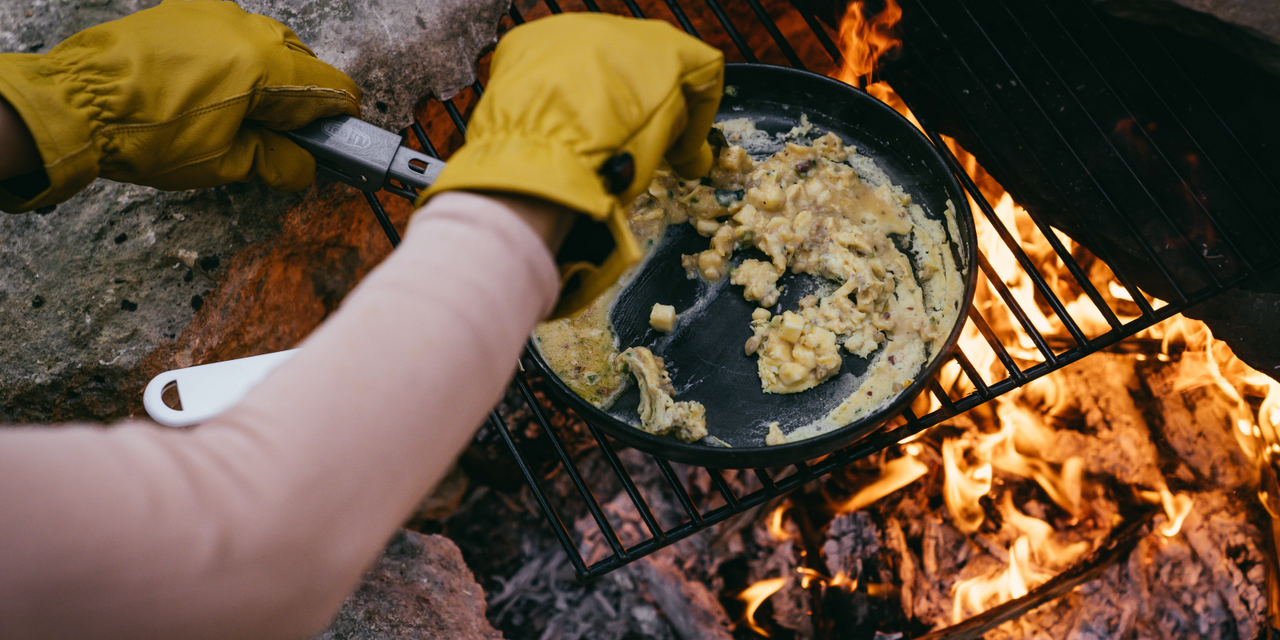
(719, 457)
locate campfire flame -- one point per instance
(776, 529)
(1019, 440)
(755, 595)
(894, 475)
(865, 40)
(965, 484)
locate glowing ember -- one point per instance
(755, 595)
(809, 576)
(864, 40)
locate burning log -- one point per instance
(1119, 544)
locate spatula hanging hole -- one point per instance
(169, 396)
(419, 165)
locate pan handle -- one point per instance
(206, 390)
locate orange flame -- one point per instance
(1176, 509)
(864, 40)
(983, 592)
(894, 475)
(755, 595)
(1022, 445)
(809, 576)
(964, 484)
(776, 529)
(1045, 549)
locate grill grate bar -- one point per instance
(678, 12)
(1003, 354)
(815, 27)
(682, 495)
(971, 373)
(455, 116)
(1225, 237)
(1100, 248)
(553, 516)
(766, 481)
(778, 38)
(515, 16)
(421, 134)
(734, 34)
(383, 219)
(725, 490)
(634, 8)
(629, 485)
(571, 469)
(943, 399)
(1207, 270)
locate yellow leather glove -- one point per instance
(180, 96)
(580, 110)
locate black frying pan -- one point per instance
(704, 355)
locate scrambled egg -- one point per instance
(809, 212)
(659, 414)
(819, 209)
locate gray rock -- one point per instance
(123, 282)
(419, 589)
(89, 291)
(1251, 28)
(398, 51)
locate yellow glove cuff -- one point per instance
(46, 102)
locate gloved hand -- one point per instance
(180, 96)
(580, 110)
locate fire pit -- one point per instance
(1095, 460)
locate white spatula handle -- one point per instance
(209, 389)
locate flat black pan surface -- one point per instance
(704, 355)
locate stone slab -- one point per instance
(420, 589)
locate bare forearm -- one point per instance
(19, 156)
(258, 523)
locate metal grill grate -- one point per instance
(1050, 83)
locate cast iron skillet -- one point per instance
(704, 354)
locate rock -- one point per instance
(397, 51)
(419, 589)
(123, 282)
(1251, 28)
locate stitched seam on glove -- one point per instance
(115, 129)
(65, 75)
